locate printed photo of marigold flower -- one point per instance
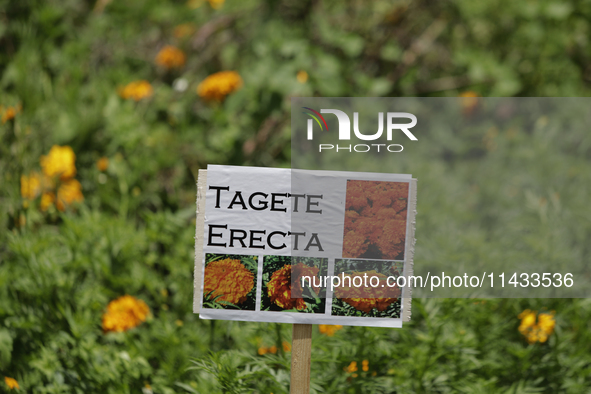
(367, 298)
(170, 57)
(217, 86)
(375, 219)
(536, 331)
(137, 90)
(279, 286)
(125, 313)
(228, 279)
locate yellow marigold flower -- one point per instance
(216, 4)
(137, 90)
(329, 329)
(302, 76)
(102, 164)
(10, 112)
(365, 365)
(11, 383)
(546, 322)
(170, 57)
(183, 30)
(59, 162)
(351, 367)
(229, 279)
(528, 318)
(69, 191)
(31, 186)
(217, 86)
(536, 332)
(125, 313)
(286, 346)
(47, 200)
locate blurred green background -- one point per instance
(64, 66)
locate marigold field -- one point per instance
(108, 109)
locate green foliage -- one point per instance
(65, 61)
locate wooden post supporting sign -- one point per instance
(301, 358)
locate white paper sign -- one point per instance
(308, 247)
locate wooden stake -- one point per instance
(301, 358)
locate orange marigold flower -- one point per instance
(365, 365)
(11, 383)
(286, 346)
(302, 76)
(59, 162)
(351, 367)
(69, 192)
(170, 57)
(329, 329)
(279, 287)
(10, 112)
(102, 164)
(262, 351)
(125, 313)
(137, 90)
(536, 332)
(217, 86)
(229, 279)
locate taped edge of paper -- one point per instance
(411, 241)
(199, 231)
